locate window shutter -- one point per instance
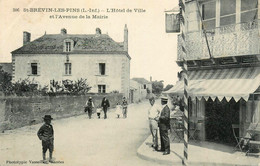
(38, 69)
(97, 68)
(107, 68)
(107, 88)
(29, 71)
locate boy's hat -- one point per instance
(47, 117)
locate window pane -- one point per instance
(102, 68)
(209, 10)
(34, 68)
(99, 88)
(68, 46)
(210, 24)
(104, 88)
(69, 68)
(249, 16)
(227, 20)
(248, 4)
(66, 68)
(227, 7)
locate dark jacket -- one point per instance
(164, 119)
(46, 132)
(105, 103)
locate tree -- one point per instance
(5, 82)
(157, 87)
(169, 86)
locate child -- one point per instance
(98, 111)
(118, 110)
(45, 134)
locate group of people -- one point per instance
(159, 117)
(46, 132)
(120, 108)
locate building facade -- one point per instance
(57, 57)
(139, 88)
(223, 57)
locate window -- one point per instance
(101, 88)
(68, 46)
(218, 13)
(67, 68)
(249, 10)
(227, 12)
(34, 68)
(102, 68)
(209, 15)
(144, 86)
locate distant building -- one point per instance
(139, 87)
(97, 57)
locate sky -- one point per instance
(153, 51)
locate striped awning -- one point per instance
(234, 83)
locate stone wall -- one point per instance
(17, 112)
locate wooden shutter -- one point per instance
(38, 69)
(96, 68)
(29, 70)
(107, 68)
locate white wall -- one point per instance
(83, 66)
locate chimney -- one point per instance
(63, 31)
(126, 38)
(98, 31)
(26, 37)
(151, 79)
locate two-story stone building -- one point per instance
(95, 57)
(223, 55)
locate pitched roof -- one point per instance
(141, 80)
(53, 44)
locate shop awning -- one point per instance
(235, 82)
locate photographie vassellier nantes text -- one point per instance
(80, 13)
(29, 162)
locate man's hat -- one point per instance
(47, 117)
(163, 98)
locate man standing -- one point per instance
(124, 105)
(89, 106)
(153, 115)
(164, 126)
(105, 104)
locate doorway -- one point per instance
(220, 115)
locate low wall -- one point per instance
(17, 112)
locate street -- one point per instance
(81, 141)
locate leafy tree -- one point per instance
(169, 86)
(157, 87)
(27, 87)
(5, 82)
(70, 87)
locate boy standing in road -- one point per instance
(45, 134)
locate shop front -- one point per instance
(219, 98)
